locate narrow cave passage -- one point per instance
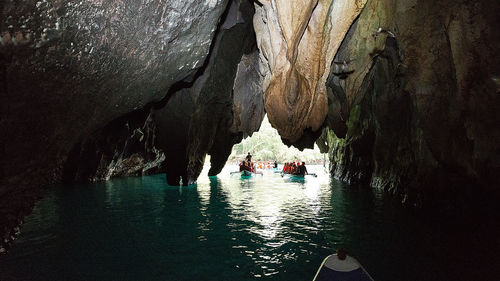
(123, 124)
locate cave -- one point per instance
(403, 96)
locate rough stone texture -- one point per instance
(173, 126)
(88, 63)
(69, 68)
(418, 115)
(248, 97)
(298, 40)
(202, 113)
(124, 147)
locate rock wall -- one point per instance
(415, 109)
(125, 147)
(68, 69)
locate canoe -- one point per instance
(334, 269)
(246, 173)
(298, 176)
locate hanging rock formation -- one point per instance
(298, 40)
(248, 108)
(418, 113)
(197, 120)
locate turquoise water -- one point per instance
(229, 228)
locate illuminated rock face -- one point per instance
(298, 40)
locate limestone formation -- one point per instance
(125, 147)
(197, 119)
(248, 99)
(298, 40)
(67, 69)
(77, 66)
(412, 117)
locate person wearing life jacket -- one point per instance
(246, 166)
(301, 169)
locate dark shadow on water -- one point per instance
(398, 243)
(237, 229)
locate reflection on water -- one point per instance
(229, 228)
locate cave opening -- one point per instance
(266, 146)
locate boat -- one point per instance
(246, 174)
(296, 170)
(298, 176)
(335, 269)
(294, 178)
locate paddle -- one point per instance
(257, 173)
(309, 174)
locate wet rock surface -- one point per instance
(125, 147)
(410, 112)
(203, 112)
(248, 108)
(70, 68)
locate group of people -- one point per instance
(295, 168)
(266, 165)
(248, 165)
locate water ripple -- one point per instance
(223, 228)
